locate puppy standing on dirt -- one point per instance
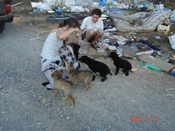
(96, 66)
(66, 86)
(76, 75)
(120, 63)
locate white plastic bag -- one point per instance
(172, 41)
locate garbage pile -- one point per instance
(129, 17)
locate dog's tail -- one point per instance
(73, 100)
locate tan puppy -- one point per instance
(66, 86)
(76, 75)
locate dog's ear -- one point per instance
(115, 54)
(60, 73)
(53, 74)
(66, 62)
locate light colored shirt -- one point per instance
(88, 24)
(51, 47)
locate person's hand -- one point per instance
(68, 41)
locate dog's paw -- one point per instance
(85, 89)
(116, 73)
(65, 98)
(72, 107)
(54, 94)
(102, 80)
(126, 75)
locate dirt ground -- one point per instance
(106, 106)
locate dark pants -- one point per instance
(84, 36)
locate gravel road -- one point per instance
(145, 100)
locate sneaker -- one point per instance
(49, 88)
(45, 85)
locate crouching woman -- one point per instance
(55, 51)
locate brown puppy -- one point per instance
(66, 86)
(76, 75)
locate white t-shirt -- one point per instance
(88, 24)
(51, 47)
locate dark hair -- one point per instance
(97, 12)
(72, 22)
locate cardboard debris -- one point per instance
(164, 29)
(120, 38)
(144, 51)
(130, 52)
(159, 63)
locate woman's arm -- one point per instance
(62, 35)
(80, 36)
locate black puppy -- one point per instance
(96, 66)
(120, 63)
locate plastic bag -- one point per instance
(101, 2)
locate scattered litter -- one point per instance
(51, 11)
(58, 10)
(172, 41)
(97, 129)
(147, 65)
(19, 3)
(111, 47)
(99, 50)
(157, 37)
(141, 52)
(150, 21)
(57, 17)
(172, 72)
(38, 37)
(164, 29)
(134, 70)
(121, 39)
(119, 51)
(112, 29)
(34, 11)
(41, 6)
(149, 44)
(167, 67)
(77, 9)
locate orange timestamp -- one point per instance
(139, 118)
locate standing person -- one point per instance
(92, 28)
(55, 51)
